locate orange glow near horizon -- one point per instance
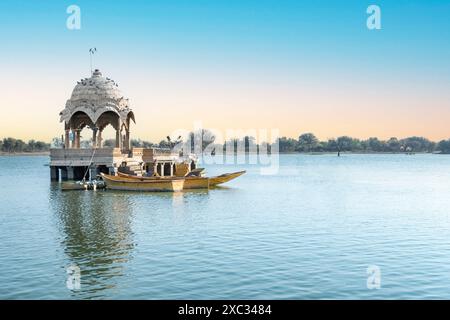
(166, 102)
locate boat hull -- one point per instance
(69, 186)
(214, 181)
(189, 182)
(78, 185)
(196, 183)
(153, 185)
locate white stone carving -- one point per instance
(95, 96)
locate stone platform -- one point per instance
(76, 164)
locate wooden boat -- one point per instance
(190, 182)
(82, 185)
(193, 182)
(154, 185)
(69, 186)
(214, 181)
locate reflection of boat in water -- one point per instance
(190, 182)
(154, 185)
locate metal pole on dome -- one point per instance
(91, 54)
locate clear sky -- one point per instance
(299, 66)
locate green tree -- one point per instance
(8, 144)
(444, 146)
(344, 143)
(374, 145)
(42, 146)
(287, 144)
(418, 144)
(109, 143)
(138, 143)
(20, 146)
(250, 144)
(307, 142)
(331, 145)
(356, 145)
(393, 144)
(31, 147)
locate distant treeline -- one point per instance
(307, 143)
(11, 145)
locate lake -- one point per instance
(309, 232)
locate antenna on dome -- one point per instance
(91, 54)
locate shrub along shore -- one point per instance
(305, 143)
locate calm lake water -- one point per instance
(309, 232)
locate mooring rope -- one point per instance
(90, 162)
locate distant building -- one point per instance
(97, 102)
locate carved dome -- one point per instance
(90, 90)
(95, 96)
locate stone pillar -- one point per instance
(73, 139)
(63, 173)
(155, 168)
(123, 146)
(54, 173)
(118, 135)
(66, 139)
(77, 138)
(94, 138)
(117, 138)
(171, 169)
(99, 139)
(127, 140)
(70, 173)
(93, 173)
(161, 165)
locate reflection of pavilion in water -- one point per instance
(97, 237)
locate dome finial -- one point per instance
(91, 53)
(96, 73)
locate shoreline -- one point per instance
(47, 153)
